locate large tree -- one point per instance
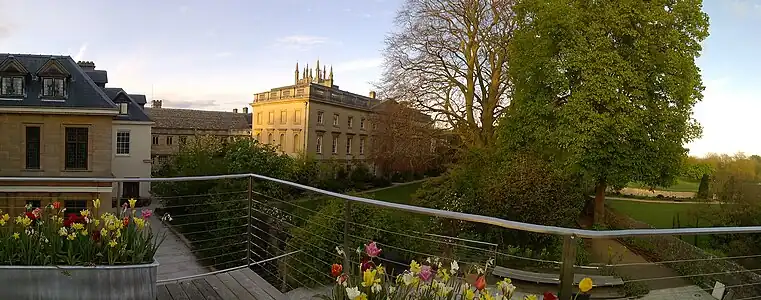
(607, 87)
(402, 139)
(449, 58)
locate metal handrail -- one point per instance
(515, 225)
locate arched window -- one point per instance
(282, 141)
(296, 142)
(269, 139)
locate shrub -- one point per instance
(703, 192)
(48, 236)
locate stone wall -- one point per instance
(671, 248)
(655, 193)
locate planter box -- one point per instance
(79, 282)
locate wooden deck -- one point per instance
(241, 284)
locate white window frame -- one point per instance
(335, 119)
(335, 145)
(320, 117)
(319, 144)
(361, 146)
(349, 141)
(351, 121)
(121, 145)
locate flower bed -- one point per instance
(78, 255)
(430, 279)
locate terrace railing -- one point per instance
(289, 233)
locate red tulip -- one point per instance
(480, 283)
(57, 205)
(336, 269)
(549, 296)
(31, 215)
(126, 221)
(366, 265)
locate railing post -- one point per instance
(566, 268)
(248, 221)
(347, 251)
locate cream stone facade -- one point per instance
(314, 116)
(131, 157)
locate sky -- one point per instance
(215, 55)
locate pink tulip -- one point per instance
(147, 213)
(372, 250)
(425, 273)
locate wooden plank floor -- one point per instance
(242, 284)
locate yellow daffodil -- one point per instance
(2, 222)
(381, 270)
(414, 267)
(72, 236)
(96, 222)
(16, 235)
(103, 232)
(361, 297)
(531, 297)
(96, 203)
(443, 274)
(78, 226)
(6, 217)
(469, 294)
(585, 285)
(368, 278)
(118, 233)
(132, 203)
(59, 221)
(23, 221)
(85, 213)
(112, 243)
(486, 296)
(139, 222)
(62, 231)
(83, 232)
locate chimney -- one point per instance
(372, 94)
(156, 104)
(86, 65)
(245, 110)
(235, 110)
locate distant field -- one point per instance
(679, 186)
(660, 215)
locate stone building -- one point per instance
(175, 127)
(58, 120)
(314, 116)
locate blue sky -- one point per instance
(216, 54)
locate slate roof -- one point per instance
(198, 119)
(82, 91)
(140, 99)
(134, 111)
(98, 76)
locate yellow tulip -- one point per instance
(16, 235)
(414, 267)
(585, 285)
(96, 203)
(469, 294)
(132, 203)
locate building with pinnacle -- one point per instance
(315, 117)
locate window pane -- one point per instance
(18, 85)
(76, 148)
(122, 142)
(32, 148)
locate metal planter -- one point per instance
(79, 282)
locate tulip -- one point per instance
(372, 250)
(480, 283)
(147, 213)
(336, 270)
(366, 265)
(549, 296)
(57, 205)
(425, 273)
(585, 285)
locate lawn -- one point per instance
(660, 215)
(679, 186)
(397, 194)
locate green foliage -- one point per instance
(607, 87)
(703, 192)
(517, 187)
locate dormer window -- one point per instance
(11, 86)
(54, 87)
(122, 108)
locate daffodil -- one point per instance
(85, 213)
(16, 235)
(112, 243)
(83, 232)
(72, 236)
(381, 270)
(78, 226)
(6, 217)
(486, 296)
(132, 203)
(368, 278)
(139, 222)
(585, 285)
(96, 203)
(414, 267)
(443, 274)
(2, 222)
(361, 297)
(352, 293)
(118, 234)
(62, 231)
(103, 232)
(469, 294)
(376, 288)
(96, 222)
(531, 297)
(23, 221)
(453, 267)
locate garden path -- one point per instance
(174, 254)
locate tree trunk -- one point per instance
(599, 215)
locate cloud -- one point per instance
(301, 42)
(359, 64)
(81, 53)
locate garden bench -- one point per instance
(599, 280)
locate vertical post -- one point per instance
(566, 269)
(347, 251)
(248, 221)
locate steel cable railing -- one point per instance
(246, 222)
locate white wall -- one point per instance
(138, 162)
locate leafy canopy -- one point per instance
(608, 87)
